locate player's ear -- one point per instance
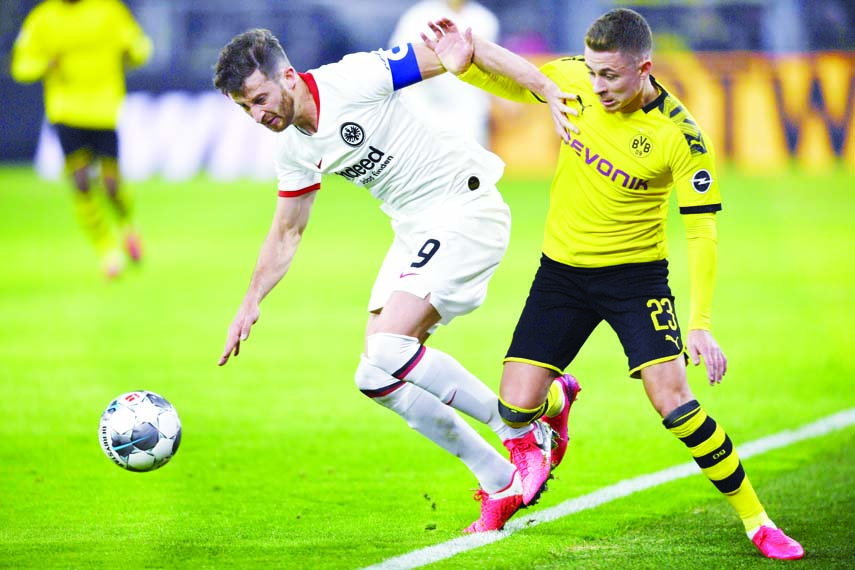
(289, 74)
(644, 68)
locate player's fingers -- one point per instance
(694, 356)
(567, 96)
(227, 351)
(713, 360)
(435, 29)
(428, 42)
(447, 25)
(568, 126)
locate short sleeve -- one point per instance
(294, 182)
(363, 76)
(693, 170)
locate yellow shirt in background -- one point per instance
(79, 50)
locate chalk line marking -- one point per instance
(437, 552)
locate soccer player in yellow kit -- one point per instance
(604, 251)
(79, 49)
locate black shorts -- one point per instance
(565, 304)
(96, 142)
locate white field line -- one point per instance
(437, 552)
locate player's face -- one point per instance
(617, 79)
(267, 101)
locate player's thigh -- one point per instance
(636, 301)
(556, 320)
(77, 146)
(449, 256)
(105, 144)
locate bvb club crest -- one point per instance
(640, 145)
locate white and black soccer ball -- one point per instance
(140, 431)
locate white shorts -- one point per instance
(449, 252)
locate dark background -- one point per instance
(188, 35)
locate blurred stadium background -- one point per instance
(770, 80)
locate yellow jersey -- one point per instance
(79, 50)
(610, 193)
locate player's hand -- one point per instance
(246, 316)
(701, 344)
(453, 49)
(561, 111)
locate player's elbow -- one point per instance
(139, 53)
(26, 73)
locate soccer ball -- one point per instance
(140, 431)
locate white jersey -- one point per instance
(366, 135)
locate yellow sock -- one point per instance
(554, 400)
(91, 219)
(714, 453)
(745, 502)
(117, 193)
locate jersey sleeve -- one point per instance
(693, 170)
(560, 71)
(402, 65)
(137, 46)
(698, 197)
(568, 73)
(293, 182)
(502, 86)
(30, 59)
(372, 76)
(702, 240)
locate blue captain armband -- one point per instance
(403, 65)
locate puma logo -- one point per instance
(676, 341)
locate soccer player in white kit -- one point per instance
(451, 230)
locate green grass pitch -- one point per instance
(283, 463)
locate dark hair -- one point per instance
(254, 49)
(622, 30)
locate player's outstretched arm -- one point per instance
(274, 259)
(492, 64)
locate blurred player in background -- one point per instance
(451, 230)
(604, 252)
(79, 49)
(443, 101)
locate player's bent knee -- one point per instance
(517, 417)
(373, 382)
(395, 354)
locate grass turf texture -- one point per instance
(284, 464)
